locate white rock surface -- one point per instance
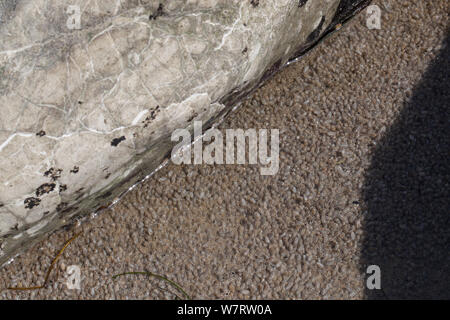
(87, 110)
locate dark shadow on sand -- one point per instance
(407, 194)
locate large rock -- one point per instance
(87, 106)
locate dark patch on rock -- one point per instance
(80, 194)
(45, 188)
(41, 133)
(154, 112)
(115, 142)
(245, 50)
(254, 3)
(234, 96)
(152, 116)
(53, 173)
(301, 3)
(46, 213)
(68, 210)
(31, 202)
(105, 195)
(1, 204)
(62, 188)
(159, 12)
(108, 175)
(194, 115)
(271, 71)
(75, 169)
(61, 206)
(347, 9)
(63, 210)
(316, 33)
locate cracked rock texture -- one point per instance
(86, 110)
